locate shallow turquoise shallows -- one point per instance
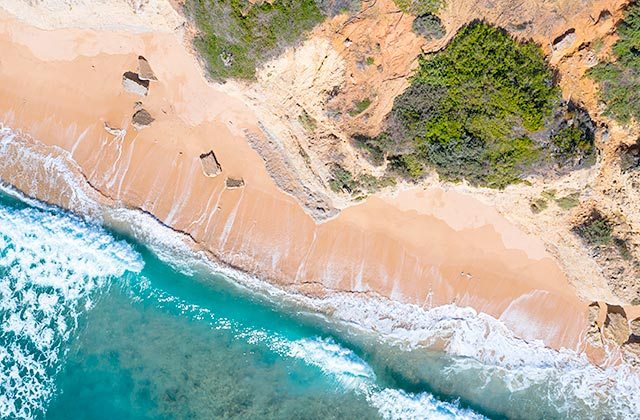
(94, 325)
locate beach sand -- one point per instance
(427, 247)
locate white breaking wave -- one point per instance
(50, 266)
(478, 342)
(335, 361)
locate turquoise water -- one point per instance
(96, 325)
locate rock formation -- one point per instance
(232, 183)
(144, 69)
(141, 119)
(210, 165)
(616, 326)
(131, 82)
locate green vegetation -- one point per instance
(596, 230)
(486, 110)
(344, 181)
(569, 201)
(538, 205)
(236, 36)
(370, 61)
(359, 107)
(573, 138)
(470, 106)
(418, 7)
(307, 121)
(429, 26)
(620, 79)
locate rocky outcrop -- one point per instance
(144, 69)
(141, 119)
(594, 334)
(210, 165)
(232, 183)
(616, 326)
(131, 82)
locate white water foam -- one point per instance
(477, 341)
(335, 361)
(51, 264)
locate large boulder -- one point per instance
(616, 326)
(210, 165)
(232, 183)
(132, 83)
(141, 119)
(144, 69)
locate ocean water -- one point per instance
(104, 319)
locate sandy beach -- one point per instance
(424, 246)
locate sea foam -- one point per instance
(478, 344)
(51, 265)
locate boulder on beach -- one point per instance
(131, 82)
(616, 326)
(232, 183)
(144, 69)
(141, 119)
(210, 165)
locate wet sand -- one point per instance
(428, 247)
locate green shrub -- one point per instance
(568, 201)
(359, 107)
(620, 78)
(596, 230)
(473, 110)
(307, 121)
(407, 165)
(429, 26)
(467, 107)
(236, 36)
(538, 205)
(342, 180)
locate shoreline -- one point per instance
(405, 249)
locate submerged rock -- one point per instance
(132, 83)
(144, 69)
(210, 165)
(141, 119)
(232, 183)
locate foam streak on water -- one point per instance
(50, 266)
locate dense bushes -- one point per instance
(472, 110)
(620, 79)
(235, 36)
